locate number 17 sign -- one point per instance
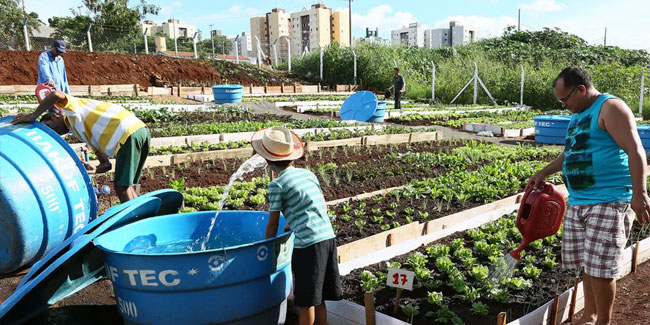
(399, 278)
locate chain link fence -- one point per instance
(115, 39)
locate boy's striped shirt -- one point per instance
(297, 194)
(104, 126)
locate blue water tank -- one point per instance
(45, 193)
(378, 117)
(551, 129)
(361, 106)
(161, 276)
(644, 134)
(226, 94)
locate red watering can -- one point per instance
(540, 214)
(42, 91)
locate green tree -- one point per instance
(11, 24)
(115, 26)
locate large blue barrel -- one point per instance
(551, 129)
(644, 133)
(45, 193)
(378, 117)
(240, 278)
(360, 106)
(225, 94)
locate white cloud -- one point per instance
(381, 17)
(625, 28)
(543, 6)
(165, 11)
(176, 4)
(486, 26)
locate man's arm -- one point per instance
(44, 69)
(272, 224)
(50, 100)
(617, 119)
(550, 169)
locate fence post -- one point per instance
(521, 91)
(289, 51)
(355, 66)
(259, 58)
(433, 82)
(237, 49)
(475, 83)
(321, 61)
(275, 52)
(146, 46)
(90, 41)
(642, 91)
(175, 41)
(196, 55)
(27, 47)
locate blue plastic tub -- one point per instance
(551, 129)
(241, 278)
(226, 94)
(45, 193)
(378, 117)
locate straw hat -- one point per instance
(277, 143)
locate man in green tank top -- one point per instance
(604, 169)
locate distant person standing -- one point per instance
(51, 68)
(399, 85)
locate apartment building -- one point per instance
(372, 37)
(340, 28)
(167, 28)
(244, 45)
(413, 35)
(455, 35)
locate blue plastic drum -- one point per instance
(45, 193)
(378, 117)
(226, 94)
(551, 129)
(161, 276)
(361, 106)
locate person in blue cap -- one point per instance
(51, 68)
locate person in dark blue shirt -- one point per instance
(51, 68)
(398, 84)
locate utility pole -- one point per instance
(350, 19)
(519, 21)
(605, 39)
(212, 39)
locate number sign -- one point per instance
(399, 278)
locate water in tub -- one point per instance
(147, 244)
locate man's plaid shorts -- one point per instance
(594, 238)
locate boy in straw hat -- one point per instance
(297, 194)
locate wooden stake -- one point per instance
(556, 303)
(397, 297)
(635, 254)
(574, 295)
(369, 301)
(501, 318)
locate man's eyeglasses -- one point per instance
(565, 99)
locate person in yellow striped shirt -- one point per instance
(109, 129)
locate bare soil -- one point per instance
(86, 68)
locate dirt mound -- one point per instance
(84, 68)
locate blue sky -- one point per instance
(627, 21)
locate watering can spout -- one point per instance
(516, 253)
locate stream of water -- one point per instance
(254, 162)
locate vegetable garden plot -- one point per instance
(454, 176)
(452, 277)
(514, 119)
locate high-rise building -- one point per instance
(244, 45)
(341, 27)
(372, 37)
(309, 29)
(413, 35)
(259, 27)
(167, 28)
(455, 35)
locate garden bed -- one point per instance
(460, 281)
